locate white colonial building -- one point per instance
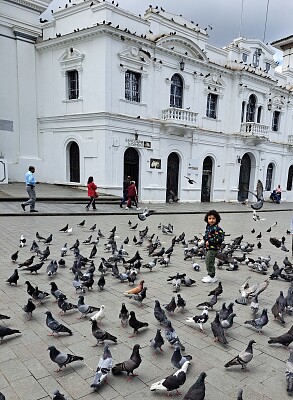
(100, 91)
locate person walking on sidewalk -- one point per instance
(132, 196)
(30, 188)
(213, 238)
(92, 193)
(126, 184)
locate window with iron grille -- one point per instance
(269, 177)
(132, 86)
(276, 121)
(250, 111)
(72, 84)
(212, 102)
(176, 92)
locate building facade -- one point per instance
(109, 93)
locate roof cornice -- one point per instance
(36, 5)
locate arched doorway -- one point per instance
(74, 162)
(206, 182)
(244, 178)
(172, 176)
(131, 165)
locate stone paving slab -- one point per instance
(26, 371)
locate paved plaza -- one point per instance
(26, 371)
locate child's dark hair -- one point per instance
(90, 179)
(215, 214)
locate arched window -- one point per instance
(250, 111)
(259, 112)
(176, 93)
(290, 178)
(269, 176)
(243, 111)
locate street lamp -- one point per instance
(182, 65)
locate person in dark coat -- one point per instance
(91, 191)
(126, 183)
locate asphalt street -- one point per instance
(26, 371)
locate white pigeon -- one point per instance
(98, 316)
(69, 231)
(22, 241)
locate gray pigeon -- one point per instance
(218, 330)
(243, 358)
(289, 373)
(284, 339)
(172, 336)
(197, 390)
(130, 365)
(178, 359)
(239, 396)
(157, 342)
(52, 268)
(278, 312)
(55, 326)
(58, 396)
(2, 397)
(104, 367)
(62, 359)
(260, 322)
(124, 315)
(101, 335)
(254, 305)
(159, 313)
(227, 323)
(85, 309)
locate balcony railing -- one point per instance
(255, 129)
(290, 139)
(177, 115)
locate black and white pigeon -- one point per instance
(260, 322)
(64, 250)
(130, 365)
(13, 278)
(100, 334)
(289, 373)
(123, 315)
(104, 367)
(55, 326)
(200, 319)
(157, 342)
(135, 324)
(243, 358)
(218, 330)
(58, 396)
(284, 339)
(4, 331)
(159, 313)
(62, 359)
(172, 382)
(197, 390)
(29, 308)
(178, 359)
(85, 309)
(172, 336)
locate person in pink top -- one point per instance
(92, 193)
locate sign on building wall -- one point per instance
(155, 163)
(193, 165)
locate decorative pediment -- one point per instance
(182, 46)
(71, 58)
(278, 103)
(134, 56)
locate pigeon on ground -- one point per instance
(64, 305)
(124, 315)
(62, 359)
(45, 254)
(93, 227)
(181, 303)
(178, 359)
(57, 395)
(39, 237)
(278, 312)
(55, 292)
(34, 268)
(39, 295)
(217, 291)
(30, 289)
(2, 316)
(260, 322)
(14, 256)
(52, 268)
(210, 303)
(170, 307)
(157, 342)
(159, 313)
(172, 382)
(49, 239)
(64, 250)
(13, 278)
(135, 324)
(218, 330)
(55, 326)
(240, 393)
(197, 390)
(29, 308)
(101, 282)
(284, 339)
(254, 305)
(78, 284)
(4, 331)
(64, 229)
(140, 296)
(101, 335)
(135, 290)
(172, 336)
(85, 309)
(289, 373)
(104, 367)
(200, 319)
(243, 358)
(99, 315)
(130, 365)
(228, 322)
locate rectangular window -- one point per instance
(132, 86)
(276, 121)
(212, 102)
(72, 84)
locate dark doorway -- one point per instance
(172, 176)
(74, 162)
(244, 178)
(131, 165)
(206, 182)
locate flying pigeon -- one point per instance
(243, 358)
(62, 359)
